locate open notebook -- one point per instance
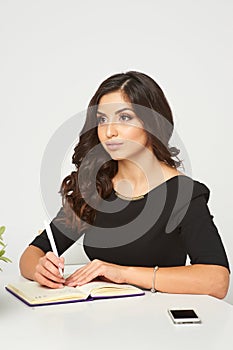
(33, 294)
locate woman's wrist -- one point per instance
(125, 274)
(140, 276)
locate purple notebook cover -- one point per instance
(73, 301)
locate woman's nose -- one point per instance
(111, 130)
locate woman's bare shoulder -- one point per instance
(169, 172)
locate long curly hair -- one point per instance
(92, 180)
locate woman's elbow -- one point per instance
(220, 283)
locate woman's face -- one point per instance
(120, 131)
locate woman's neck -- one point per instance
(136, 178)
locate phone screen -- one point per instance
(178, 314)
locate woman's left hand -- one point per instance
(96, 268)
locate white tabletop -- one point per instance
(128, 323)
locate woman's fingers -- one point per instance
(76, 273)
(47, 271)
(56, 261)
(87, 273)
(96, 268)
(51, 274)
(44, 281)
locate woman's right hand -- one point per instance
(47, 271)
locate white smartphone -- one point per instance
(183, 316)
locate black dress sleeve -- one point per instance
(64, 236)
(199, 233)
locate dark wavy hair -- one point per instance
(82, 190)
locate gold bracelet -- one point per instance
(153, 290)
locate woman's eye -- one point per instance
(122, 118)
(125, 117)
(101, 120)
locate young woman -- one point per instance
(140, 216)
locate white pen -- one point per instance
(52, 242)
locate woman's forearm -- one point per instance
(192, 279)
(29, 260)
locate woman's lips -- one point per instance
(112, 146)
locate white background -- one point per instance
(55, 53)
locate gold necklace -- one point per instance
(128, 198)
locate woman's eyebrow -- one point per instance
(119, 111)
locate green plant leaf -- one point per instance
(2, 230)
(2, 252)
(3, 258)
